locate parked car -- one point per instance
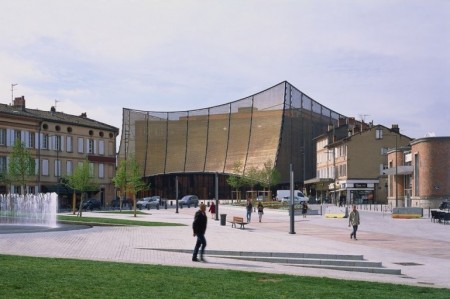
(91, 204)
(126, 203)
(297, 199)
(148, 202)
(189, 200)
(262, 198)
(444, 205)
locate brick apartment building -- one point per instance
(419, 174)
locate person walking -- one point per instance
(249, 210)
(304, 209)
(199, 228)
(260, 211)
(353, 220)
(212, 209)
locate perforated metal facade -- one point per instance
(277, 124)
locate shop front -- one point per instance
(356, 191)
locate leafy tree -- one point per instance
(21, 165)
(252, 177)
(81, 181)
(120, 181)
(269, 176)
(129, 179)
(235, 180)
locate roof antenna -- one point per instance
(12, 93)
(56, 103)
(363, 117)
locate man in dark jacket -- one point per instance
(199, 227)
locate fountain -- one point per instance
(29, 209)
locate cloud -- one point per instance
(388, 59)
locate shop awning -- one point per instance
(399, 170)
(319, 180)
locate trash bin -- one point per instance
(223, 219)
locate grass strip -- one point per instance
(112, 221)
(32, 277)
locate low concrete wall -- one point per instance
(407, 213)
(298, 212)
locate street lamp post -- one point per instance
(396, 172)
(176, 194)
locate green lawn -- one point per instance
(30, 277)
(112, 221)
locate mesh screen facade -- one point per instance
(278, 124)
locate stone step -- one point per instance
(376, 270)
(304, 261)
(341, 262)
(276, 254)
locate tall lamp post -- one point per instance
(396, 166)
(396, 172)
(57, 169)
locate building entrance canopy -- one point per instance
(399, 170)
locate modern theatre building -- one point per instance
(192, 148)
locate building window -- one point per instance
(69, 167)
(384, 151)
(31, 140)
(416, 175)
(379, 133)
(2, 136)
(90, 146)
(101, 147)
(80, 145)
(69, 144)
(36, 166)
(45, 141)
(57, 146)
(45, 167)
(17, 135)
(57, 168)
(91, 170)
(101, 171)
(3, 167)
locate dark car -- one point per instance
(91, 204)
(189, 200)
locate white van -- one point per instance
(285, 195)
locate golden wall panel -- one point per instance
(176, 145)
(196, 142)
(217, 143)
(156, 154)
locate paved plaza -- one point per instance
(418, 250)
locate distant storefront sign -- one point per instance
(360, 185)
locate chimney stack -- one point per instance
(395, 129)
(19, 102)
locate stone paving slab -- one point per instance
(418, 247)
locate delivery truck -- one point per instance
(285, 195)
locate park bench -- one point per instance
(238, 220)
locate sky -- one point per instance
(386, 61)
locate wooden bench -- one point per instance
(238, 220)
